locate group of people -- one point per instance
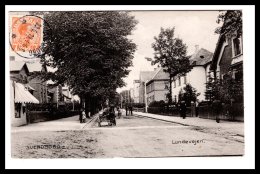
(130, 109)
(183, 109)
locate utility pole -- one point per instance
(145, 96)
(121, 100)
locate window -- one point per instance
(179, 81)
(166, 85)
(18, 110)
(237, 46)
(185, 79)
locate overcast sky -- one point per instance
(194, 27)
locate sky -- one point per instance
(193, 27)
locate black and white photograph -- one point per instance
(106, 84)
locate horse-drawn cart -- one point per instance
(106, 116)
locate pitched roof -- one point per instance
(215, 56)
(201, 57)
(160, 75)
(16, 65)
(34, 66)
(146, 75)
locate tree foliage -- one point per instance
(232, 22)
(188, 94)
(226, 90)
(90, 50)
(171, 54)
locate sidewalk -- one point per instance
(70, 123)
(224, 127)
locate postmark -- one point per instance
(26, 35)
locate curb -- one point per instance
(91, 122)
(164, 120)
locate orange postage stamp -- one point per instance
(26, 35)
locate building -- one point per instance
(38, 84)
(136, 86)
(126, 97)
(131, 91)
(158, 86)
(144, 77)
(20, 93)
(54, 92)
(19, 71)
(228, 57)
(197, 77)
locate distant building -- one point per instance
(136, 91)
(144, 77)
(131, 91)
(126, 96)
(197, 77)
(38, 84)
(158, 86)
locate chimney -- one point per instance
(196, 48)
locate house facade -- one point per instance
(228, 56)
(38, 84)
(136, 86)
(197, 77)
(144, 77)
(20, 94)
(158, 86)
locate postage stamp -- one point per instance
(26, 35)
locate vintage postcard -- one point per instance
(126, 83)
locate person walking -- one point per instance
(183, 109)
(131, 110)
(119, 112)
(126, 110)
(217, 109)
(84, 117)
(196, 108)
(80, 115)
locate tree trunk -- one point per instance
(170, 90)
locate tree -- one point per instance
(90, 50)
(190, 94)
(226, 90)
(232, 22)
(171, 54)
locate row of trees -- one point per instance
(90, 51)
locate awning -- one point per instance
(22, 95)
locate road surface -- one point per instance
(132, 137)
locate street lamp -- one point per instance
(145, 96)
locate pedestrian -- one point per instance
(112, 116)
(83, 117)
(130, 110)
(196, 108)
(217, 109)
(126, 110)
(119, 112)
(183, 109)
(80, 115)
